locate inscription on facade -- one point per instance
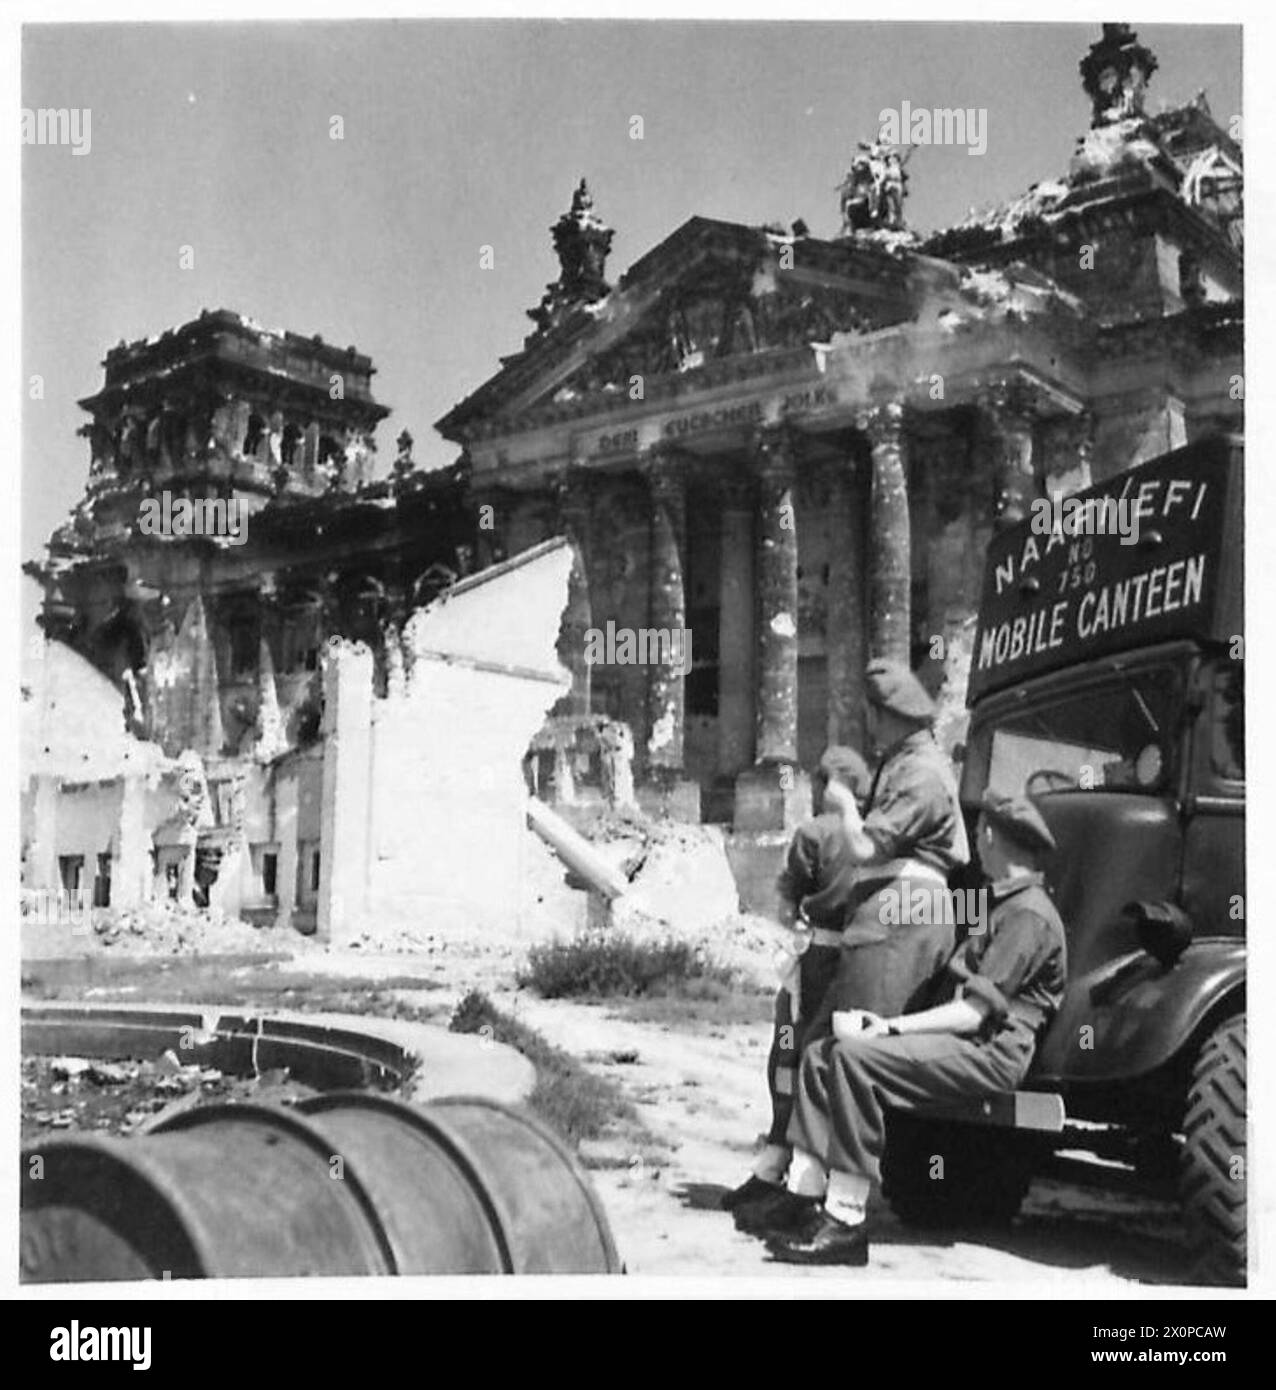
(737, 415)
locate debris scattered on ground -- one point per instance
(108, 1073)
(166, 928)
(127, 1097)
(156, 929)
(67, 1068)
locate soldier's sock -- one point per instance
(807, 1175)
(772, 1164)
(847, 1197)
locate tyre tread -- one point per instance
(1214, 1124)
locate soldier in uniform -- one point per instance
(899, 929)
(998, 993)
(911, 836)
(814, 887)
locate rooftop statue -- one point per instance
(582, 242)
(873, 191)
(1115, 73)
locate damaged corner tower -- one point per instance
(424, 802)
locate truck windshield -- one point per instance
(1113, 735)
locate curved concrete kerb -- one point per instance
(327, 1051)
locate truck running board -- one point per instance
(1035, 1110)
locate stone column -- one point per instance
(42, 854)
(132, 877)
(845, 632)
(186, 867)
(344, 831)
(890, 559)
(572, 506)
(1008, 410)
(1085, 451)
(778, 600)
(665, 690)
(736, 637)
(665, 471)
(286, 793)
(773, 795)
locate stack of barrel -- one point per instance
(341, 1184)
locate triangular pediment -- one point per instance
(711, 291)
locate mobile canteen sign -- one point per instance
(1071, 593)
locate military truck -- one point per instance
(1107, 683)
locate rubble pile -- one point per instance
(165, 928)
(131, 1096)
(682, 887)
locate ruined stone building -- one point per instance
(215, 640)
(209, 633)
(797, 448)
(793, 448)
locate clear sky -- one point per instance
(457, 135)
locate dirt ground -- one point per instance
(701, 1094)
(695, 1076)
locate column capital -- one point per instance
(661, 456)
(1081, 430)
(570, 492)
(1009, 406)
(1010, 401)
(665, 468)
(774, 450)
(883, 422)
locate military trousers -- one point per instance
(887, 966)
(846, 1087)
(817, 966)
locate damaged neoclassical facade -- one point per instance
(798, 448)
(794, 449)
(215, 641)
(216, 638)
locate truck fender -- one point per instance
(1132, 1015)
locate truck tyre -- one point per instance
(945, 1174)
(1212, 1171)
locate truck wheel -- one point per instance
(945, 1174)
(1212, 1171)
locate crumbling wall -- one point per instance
(424, 801)
(183, 686)
(86, 779)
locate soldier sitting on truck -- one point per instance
(814, 888)
(999, 991)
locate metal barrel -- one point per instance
(344, 1184)
(541, 1210)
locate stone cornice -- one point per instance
(1131, 200)
(846, 266)
(1216, 330)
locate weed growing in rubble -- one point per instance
(567, 1096)
(599, 966)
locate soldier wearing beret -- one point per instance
(999, 991)
(815, 885)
